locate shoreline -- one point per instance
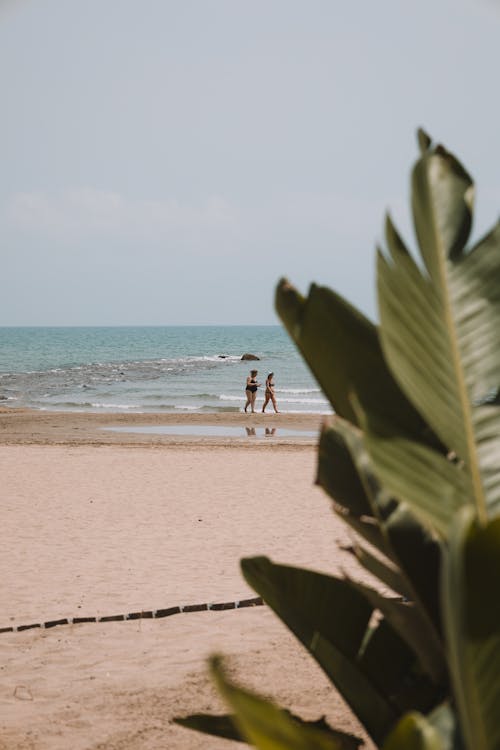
(20, 426)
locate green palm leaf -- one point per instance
(337, 473)
(373, 668)
(419, 555)
(345, 474)
(472, 616)
(439, 327)
(343, 350)
(384, 570)
(344, 467)
(409, 621)
(434, 486)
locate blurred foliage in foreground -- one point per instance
(411, 462)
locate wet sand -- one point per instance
(28, 427)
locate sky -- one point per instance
(166, 162)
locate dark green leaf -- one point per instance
(342, 349)
(442, 200)
(392, 529)
(472, 617)
(386, 572)
(371, 707)
(434, 487)
(419, 555)
(367, 528)
(338, 475)
(373, 669)
(439, 330)
(381, 504)
(475, 287)
(424, 140)
(416, 631)
(311, 602)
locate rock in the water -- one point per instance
(250, 356)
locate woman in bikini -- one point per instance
(251, 390)
(270, 393)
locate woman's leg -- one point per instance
(248, 394)
(266, 401)
(254, 396)
(273, 399)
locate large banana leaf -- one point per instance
(349, 488)
(343, 350)
(337, 472)
(346, 473)
(435, 487)
(472, 617)
(381, 569)
(371, 666)
(409, 621)
(419, 555)
(439, 332)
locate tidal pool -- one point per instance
(200, 430)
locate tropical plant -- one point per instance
(411, 462)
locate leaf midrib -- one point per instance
(459, 373)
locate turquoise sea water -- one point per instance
(149, 369)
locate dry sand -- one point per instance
(99, 523)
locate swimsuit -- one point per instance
(251, 388)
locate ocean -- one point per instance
(151, 369)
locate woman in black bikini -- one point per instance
(270, 393)
(251, 390)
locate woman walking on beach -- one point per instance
(270, 393)
(251, 390)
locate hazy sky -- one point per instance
(167, 161)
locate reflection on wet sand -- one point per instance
(268, 432)
(217, 430)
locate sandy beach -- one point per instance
(101, 523)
